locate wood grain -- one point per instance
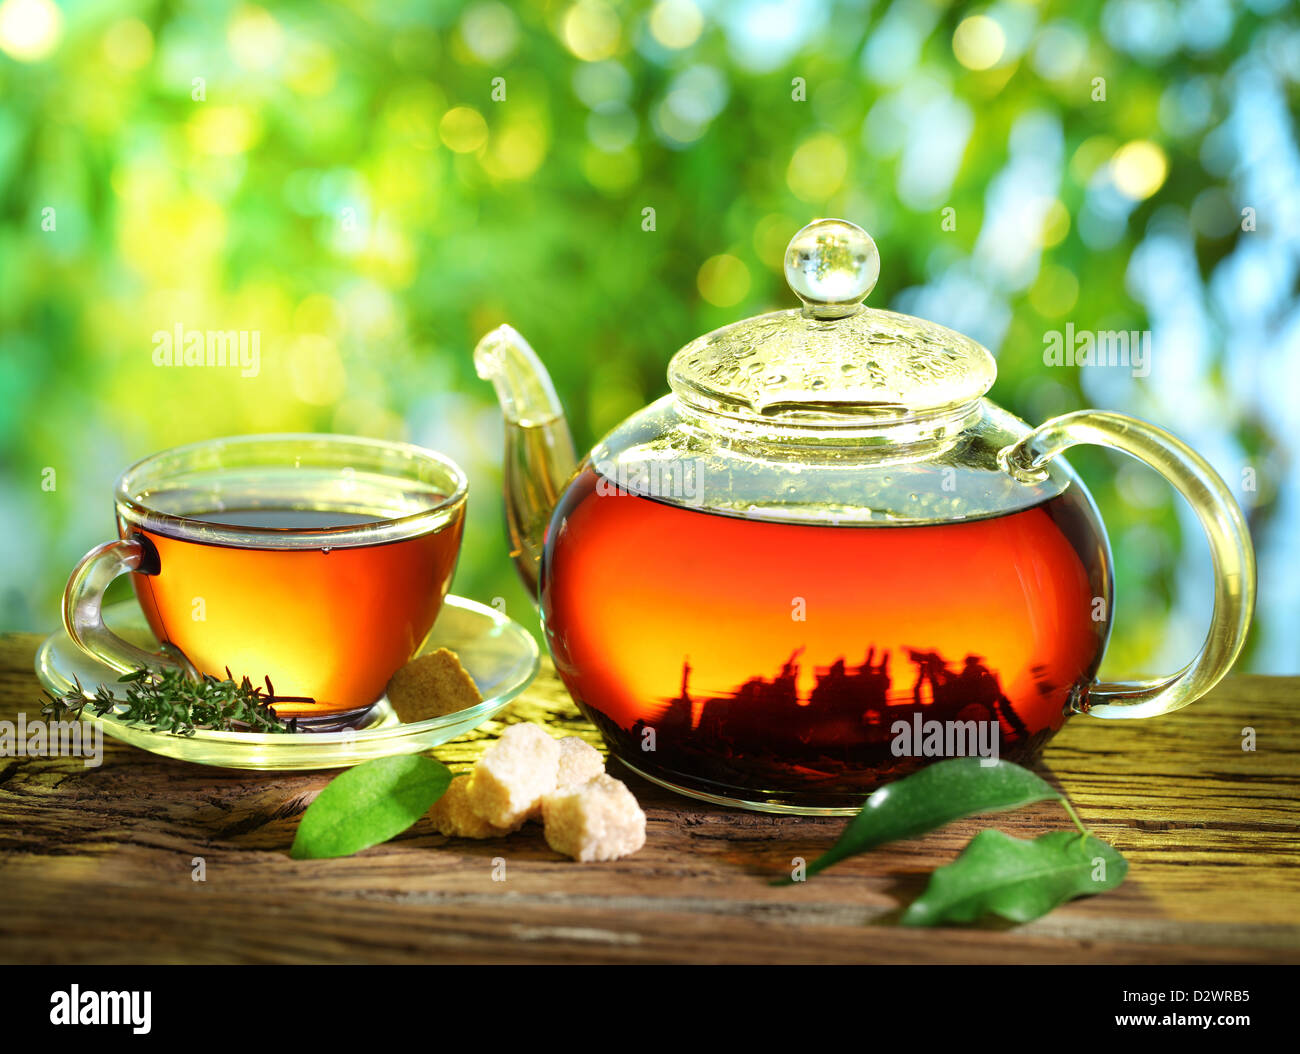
(98, 864)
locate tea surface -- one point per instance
(288, 519)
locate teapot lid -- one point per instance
(835, 363)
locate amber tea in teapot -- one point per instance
(846, 632)
(827, 558)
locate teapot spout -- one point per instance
(539, 456)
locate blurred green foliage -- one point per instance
(372, 185)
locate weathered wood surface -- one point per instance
(96, 864)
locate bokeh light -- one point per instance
(676, 23)
(490, 31)
(1139, 169)
(463, 129)
(817, 168)
(29, 29)
(592, 30)
(979, 42)
(723, 280)
(128, 44)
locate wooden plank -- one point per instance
(97, 865)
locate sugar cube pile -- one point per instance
(527, 774)
(596, 820)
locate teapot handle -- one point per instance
(1225, 528)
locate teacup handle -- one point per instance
(83, 603)
(1224, 526)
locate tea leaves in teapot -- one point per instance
(1018, 880)
(369, 804)
(932, 797)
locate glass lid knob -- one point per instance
(832, 265)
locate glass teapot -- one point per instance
(827, 559)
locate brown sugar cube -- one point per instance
(513, 774)
(579, 762)
(451, 815)
(432, 685)
(596, 820)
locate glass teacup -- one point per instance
(316, 562)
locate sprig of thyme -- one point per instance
(169, 701)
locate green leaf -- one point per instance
(369, 804)
(930, 798)
(1018, 880)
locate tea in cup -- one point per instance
(315, 562)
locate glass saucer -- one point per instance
(499, 654)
